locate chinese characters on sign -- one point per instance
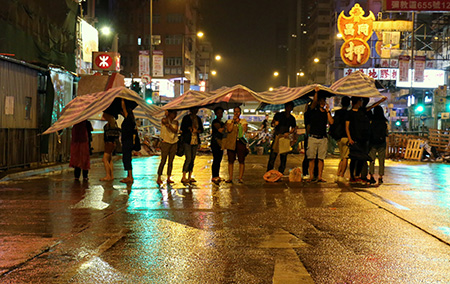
(144, 62)
(375, 73)
(416, 5)
(356, 30)
(419, 68)
(158, 63)
(403, 68)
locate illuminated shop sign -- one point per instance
(356, 30)
(416, 5)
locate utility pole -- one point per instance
(151, 43)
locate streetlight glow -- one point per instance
(218, 57)
(270, 89)
(106, 30)
(339, 35)
(200, 34)
(302, 74)
(276, 73)
(316, 60)
(214, 72)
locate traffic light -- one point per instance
(419, 108)
(135, 87)
(148, 95)
(398, 123)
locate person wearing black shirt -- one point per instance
(216, 144)
(341, 136)
(128, 129)
(319, 117)
(285, 124)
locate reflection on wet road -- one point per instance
(57, 230)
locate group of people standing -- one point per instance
(360, 133)
(229, 135)
(361, 137)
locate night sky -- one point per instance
(244, 33)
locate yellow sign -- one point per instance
(356, 30)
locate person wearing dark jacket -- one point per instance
(128, 130)
(191, 127)
(341, 136)
(377, 143)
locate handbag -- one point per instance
(180, 147)
(136, 141)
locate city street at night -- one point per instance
(55, 229)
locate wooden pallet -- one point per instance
(413, 150)
(440, 139)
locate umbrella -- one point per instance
(274, 100)
(85, 106)
(356, 84)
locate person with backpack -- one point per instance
(337, 132)
(377, 143)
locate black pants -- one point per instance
(273, 157)
(77, 173)
(217, 158)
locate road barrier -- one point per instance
(414, 150)
(440, 139)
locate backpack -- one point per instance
(378, 132)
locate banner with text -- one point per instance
(158, 63)
(419, 68)
(403, 67)
(144, 62)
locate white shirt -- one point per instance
(167, 135)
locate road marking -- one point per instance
(84, 263)
(288, 267)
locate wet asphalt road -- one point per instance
(57, 230)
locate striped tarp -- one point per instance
(356, 84)
(86, 106)
(274, 100)
(187, 100)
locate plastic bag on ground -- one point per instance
(295, 175)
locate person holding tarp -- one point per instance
(320, 116)
(285, 124)
(111, 133)
(128, 130)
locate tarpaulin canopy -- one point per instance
(226, 97)
(229, 97)
(356, 84)
(274, 100)
(187, 100)
(85, 106)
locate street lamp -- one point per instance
(214, 72)
(107, 31)
(299, 74)
(276, 73)
(316, 60)
(218, 57)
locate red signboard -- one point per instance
(106, 61)
(416, 5)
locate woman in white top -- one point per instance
(169, 137)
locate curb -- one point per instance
(46, 170)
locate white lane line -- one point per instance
(288, 267)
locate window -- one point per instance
(173, 61)
(175, 18)
(173, 39)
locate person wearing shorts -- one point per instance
(320, 116)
